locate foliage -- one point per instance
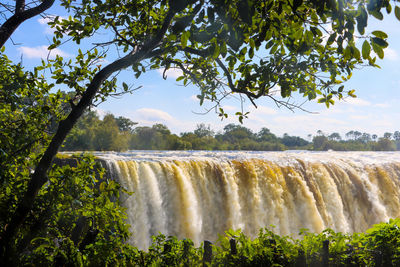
(89, 133)
(253, 48)
(76, 219)
(250, 47)
(379, 246)
(356, 141)
(76, 216)
(26, 113)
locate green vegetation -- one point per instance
(379, 246)
(119, 134)
(357, 141)
(53, 215)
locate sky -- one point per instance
(375, 110)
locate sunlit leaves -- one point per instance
(184, 38)
(234, 31)
(366, 49)
(351, 93)
(380, 34)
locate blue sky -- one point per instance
(375, 110)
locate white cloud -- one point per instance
(194, 98)
(356, 102)
(302, 125)
(382, 105)
(151, 115)
(171, 73)
(42, 52)
(359, 117)
(391, 54)
(229, 108)
(100, 112)
(262, 111)
(44, 21)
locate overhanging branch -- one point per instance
(39, 176)
(20, 15)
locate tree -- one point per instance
(125, 124)
(387, 135)
(293, 141)
(396, 135)
(265, 135)
(350, 135)
(155, 137)
(82, 136)
(335, 137)
(20, 12)
(108, 136)
(320, 142)
(385, 144)
(239, 46)
(357, 135)
(70, 212)
(234, 133)
(365, 137)
(203, 131)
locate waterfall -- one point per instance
(199, 195)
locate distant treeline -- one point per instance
(120, 133)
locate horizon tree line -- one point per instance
(120, 133)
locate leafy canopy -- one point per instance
(254, 48)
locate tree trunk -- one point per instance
(39, 177)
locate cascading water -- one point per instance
(199, 195)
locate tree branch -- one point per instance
(39, 177)
(20, 16)
(19, 6)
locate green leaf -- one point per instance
(331, 38)
(351, 93)
(309, 37)
(366, 49)
(184, 38)
(377, 14)
(216, 51)
(296, 4)
(125, 86)
(252, 43)
(347, 52)
(251, 52)
(378, 50)
(362, 20)
(380, 42)
(380, 34)
(355, 52)
(397, 12)
(389, 8)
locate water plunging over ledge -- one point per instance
(200, 194)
